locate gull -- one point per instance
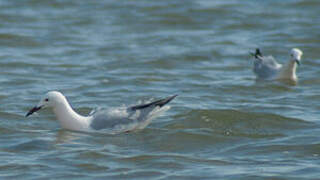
(267, 68)
(114, 120)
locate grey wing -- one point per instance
(127, 118)
(103, 121)
(266, 67)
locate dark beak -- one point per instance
(34, 109)
(298, 62)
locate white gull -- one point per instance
(267, 68)
(115, 120)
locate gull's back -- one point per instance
(122, 119)
(110, 119)
(129, 118)
(265, 67)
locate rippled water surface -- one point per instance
(223, 125)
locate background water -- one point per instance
(224, 124)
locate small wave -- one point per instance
(9, 115)
(235, 123)
(16, 40)
(30, 145)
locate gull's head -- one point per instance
(51, 99)
(296, 55)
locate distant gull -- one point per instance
(266, 67)
(114, 120)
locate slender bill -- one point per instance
(34, 109)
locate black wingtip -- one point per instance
(159, 103)
(167, 100)
(257, 53)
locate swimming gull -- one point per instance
(266, 67)
(114, 120)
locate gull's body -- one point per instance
(267, 68)
(114, 120)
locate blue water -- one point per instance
(223, 125)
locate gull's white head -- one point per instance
(296, 55)
(51, 99)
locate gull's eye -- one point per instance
(46, 99)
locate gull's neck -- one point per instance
(289, 71)
(68, 118)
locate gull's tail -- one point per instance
(159, 103)
(257, 54)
